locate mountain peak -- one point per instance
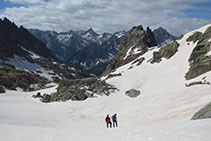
(162, 36)
(92, 32)
(161, 28)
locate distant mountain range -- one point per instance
(89, 50)
(20, 50)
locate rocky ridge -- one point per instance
(136, 44)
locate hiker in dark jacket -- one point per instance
(108, 121)
(114, 119)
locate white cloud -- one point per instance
(26, 2)
(104, 15)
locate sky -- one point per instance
(177, 16)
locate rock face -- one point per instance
(200, 62)
(162, 36)
(133, 93)
(15, 41)
(205, 112)
(81, 89)
(136, 44)
(11, 78)
(166, 51)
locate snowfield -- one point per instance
(161, 113)
(156, 118)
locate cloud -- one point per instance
(25, 2)
(105, 15)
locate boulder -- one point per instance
(46, 98)
(205, 112)
(133, 93)
(2, 89)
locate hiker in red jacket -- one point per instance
(108, 121)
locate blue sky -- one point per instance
(4, 4)
(201, 10)
(178, 17)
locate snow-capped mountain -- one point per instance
(20, 50)
(65, 44)
(95, 57)
(162, 36)
(86, 49)
(62, 45)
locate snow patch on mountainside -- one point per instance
(164, 84)
(128, 52)
(172, 71)
(32, 54)
(64, 37)
(23, 64)
(119, 35)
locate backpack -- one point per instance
(114, 118)
(108, 119)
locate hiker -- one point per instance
(108, 121)
(114, 119)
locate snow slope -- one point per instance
(161, 113)
(22, 64)
(23, 118)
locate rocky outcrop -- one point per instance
(197, 83)
(132, 93)
(166, 51)
(113, 75)
(139, 61)
(81, 89)
(194, 37)
(200, 62)
(136, 44)
(203, 113)
(11, 78)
